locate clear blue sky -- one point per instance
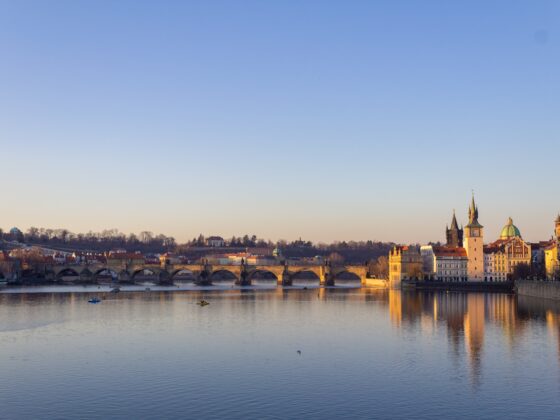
(326, 120)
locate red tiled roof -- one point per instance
(447, 251)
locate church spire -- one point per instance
(473, 214)
(454, 224)
(454, 235)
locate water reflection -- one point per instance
(376, 349)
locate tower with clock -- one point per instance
(474, 245)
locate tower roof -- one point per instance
(473, 215)
(454, 224)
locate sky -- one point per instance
(326, 120)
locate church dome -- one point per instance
(510, 231)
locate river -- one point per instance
(268, 352)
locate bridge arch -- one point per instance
(104, 271)
(142, 271)
(182, 274)
(305, 274)
(68, 271)
(222, 274)
(346, 275)
(262, 274)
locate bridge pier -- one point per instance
(326, 280)
(243, 279)
(123, 277)
(164, 277)
(86, 277)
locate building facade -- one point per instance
(405, 263)
(552, 265)
(445, 263)
(215, 242)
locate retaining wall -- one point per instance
(539, 289)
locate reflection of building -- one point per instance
(502, 256)
(405, 263)
(474, 331)
(444, 263)
(552, 266)
(395, 307)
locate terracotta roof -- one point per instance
(447, 251)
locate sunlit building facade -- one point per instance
(552, 265)
(405, 263)
(444, 263)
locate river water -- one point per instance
(267, 352)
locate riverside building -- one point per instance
(552, 265)
(502, 256)
(405, 263)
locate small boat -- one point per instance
(94, 300)
(203, 303)
(115, 290)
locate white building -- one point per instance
(215, 242)
(443, 263)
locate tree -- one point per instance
(32, 234)
(335, 258)
(379, 268)
(521, 271)
(146, 237)
(414, 271)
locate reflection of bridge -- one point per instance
(207, 273)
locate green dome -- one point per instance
(510, 231)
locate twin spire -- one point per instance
(473, 212)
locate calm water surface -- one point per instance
(365, 353)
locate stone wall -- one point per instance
(539, 289)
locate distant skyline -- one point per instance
(326, 120)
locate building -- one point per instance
(474, 245)
(118, 261)
(167, 258)
(453, 234)
(444, 263)
(405, 263)
(502, 256)
(552, 265)
(215, 242)
(10, 268)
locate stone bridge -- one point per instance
(206, 274)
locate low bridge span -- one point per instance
(205, 274)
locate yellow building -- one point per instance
(502, 256)
(551, 262)
(405, 263)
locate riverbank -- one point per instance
(539, 289)
(471, 286)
